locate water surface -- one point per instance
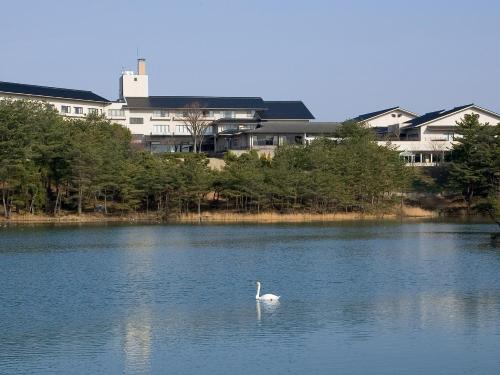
(379, 298)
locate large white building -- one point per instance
(157, 123)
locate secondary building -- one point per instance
(425, 139)
(270, 135)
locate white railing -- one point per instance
(422, 164)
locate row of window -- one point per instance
(447, 136)
(179, 129)
(206, 113)
(66, 109)
(116, 113)
(164, 114)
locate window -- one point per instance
(228, 114)
(78, 110)
(160, 114)
(249, 113)
(158, 148)
(116, 113)
(161, 129)
(224, 127)
(65, 109)
(93, 111)
(136, 120)
(266, 140)
(180, 129)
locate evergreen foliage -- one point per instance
(475, 167)
(54, 165)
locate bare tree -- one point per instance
(440, 147)
(194, 119)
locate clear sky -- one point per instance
(342, 58)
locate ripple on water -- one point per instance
(143, 299)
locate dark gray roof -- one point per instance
(268, 110)
(52, 92)
(286, 110)
(231, 132)
(431, 116)
(370, 115)
(205, 102)
(296, 127)
(237, 120)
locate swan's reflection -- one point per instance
(267, 308)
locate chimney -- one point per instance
(141, 67)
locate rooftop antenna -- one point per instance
(137, 57)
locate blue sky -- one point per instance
(342, 58)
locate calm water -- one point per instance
(372, 298)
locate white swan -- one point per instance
(265, 297)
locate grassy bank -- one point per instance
(84, 218)
(219, 217)
(275, 217)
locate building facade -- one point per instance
(159, 123)
(427, 139)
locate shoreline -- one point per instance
(274, 217)
(219, 217)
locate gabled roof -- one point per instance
(372, 115)
(432, 116)
(205, 102)
(50, 92)
(425, 118)
(286, 110)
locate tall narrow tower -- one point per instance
(134, 85)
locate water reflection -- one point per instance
(144, 299)
(268, 308)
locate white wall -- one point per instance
(173, 120)
(428, 133)
(452, 119)
(134, 85)
(391, 118)
(413, 146)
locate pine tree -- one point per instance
(475, 166)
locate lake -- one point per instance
(356, 298)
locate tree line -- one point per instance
(53, 165)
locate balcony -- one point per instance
(422, 164)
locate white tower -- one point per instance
(134, 85)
